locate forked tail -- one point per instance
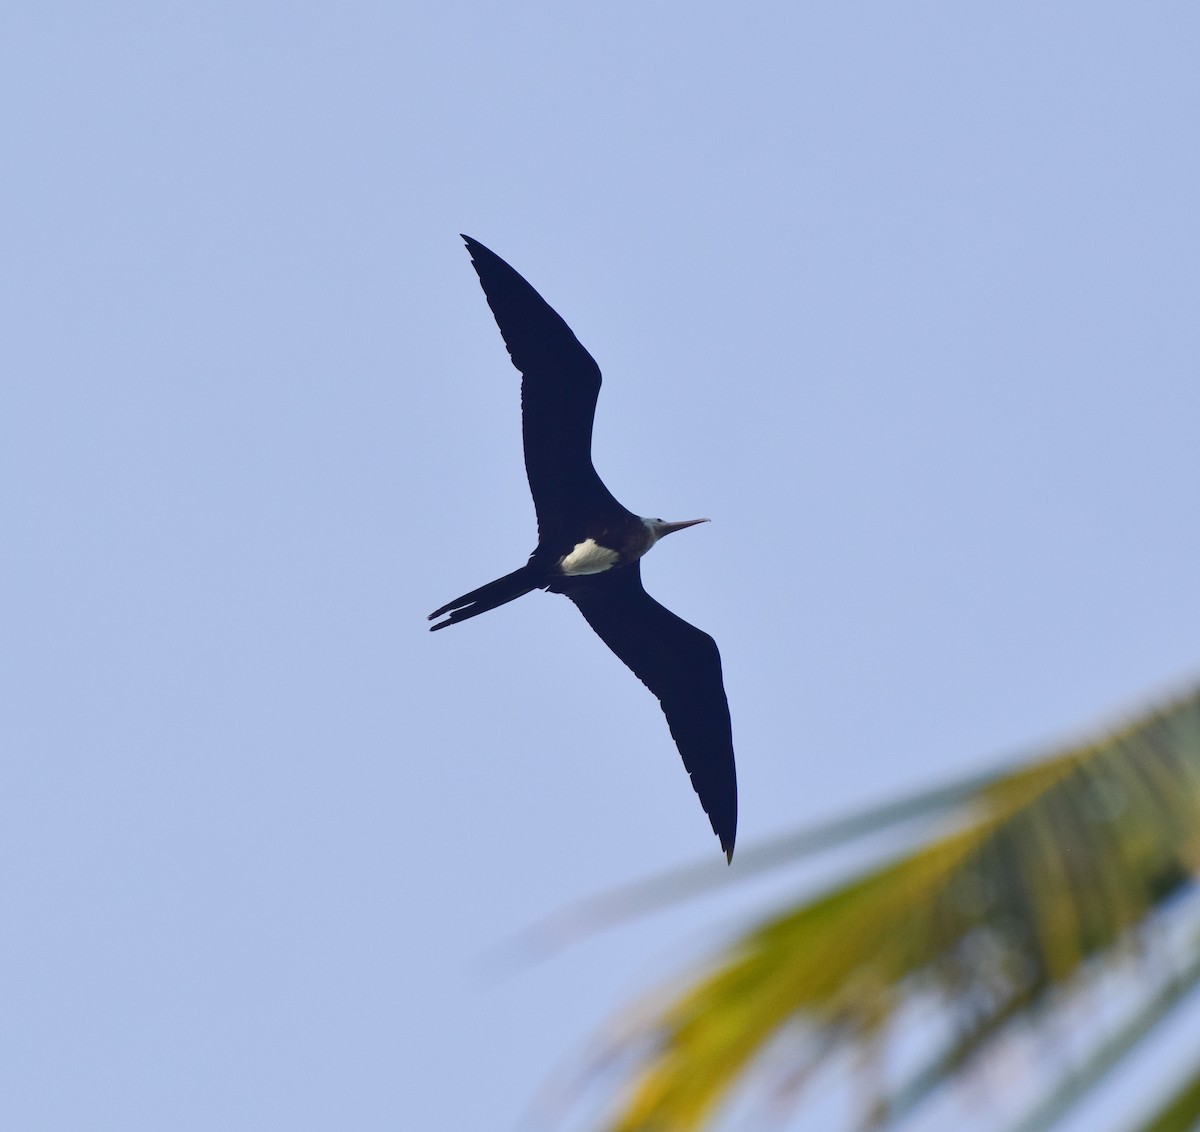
(511, 586)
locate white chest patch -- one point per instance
(588, 557)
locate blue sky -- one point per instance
(902, 296)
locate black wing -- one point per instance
(680, 664)
(558, 399)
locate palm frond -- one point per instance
(1042, 870)
(1182, 1112)
(630, 901)
(1108, 1054)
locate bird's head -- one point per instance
(660, 529)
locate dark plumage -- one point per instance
(589, 545)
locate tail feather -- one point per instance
(502, 590)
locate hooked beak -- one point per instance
(661, 529)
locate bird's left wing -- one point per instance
(680, 664)
(559, 386)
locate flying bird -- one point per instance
(589, 545)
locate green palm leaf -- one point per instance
(1182, 1112)
(1039, 871)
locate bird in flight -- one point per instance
(589, 545)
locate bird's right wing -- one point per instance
(560, 385)
(680, 664)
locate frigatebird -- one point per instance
(589, 546)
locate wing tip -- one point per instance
(724, 825)
(722, 814)
(727, 844)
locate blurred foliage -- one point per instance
(1182, 1112)
(1034, 877)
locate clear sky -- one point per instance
(903, 296)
